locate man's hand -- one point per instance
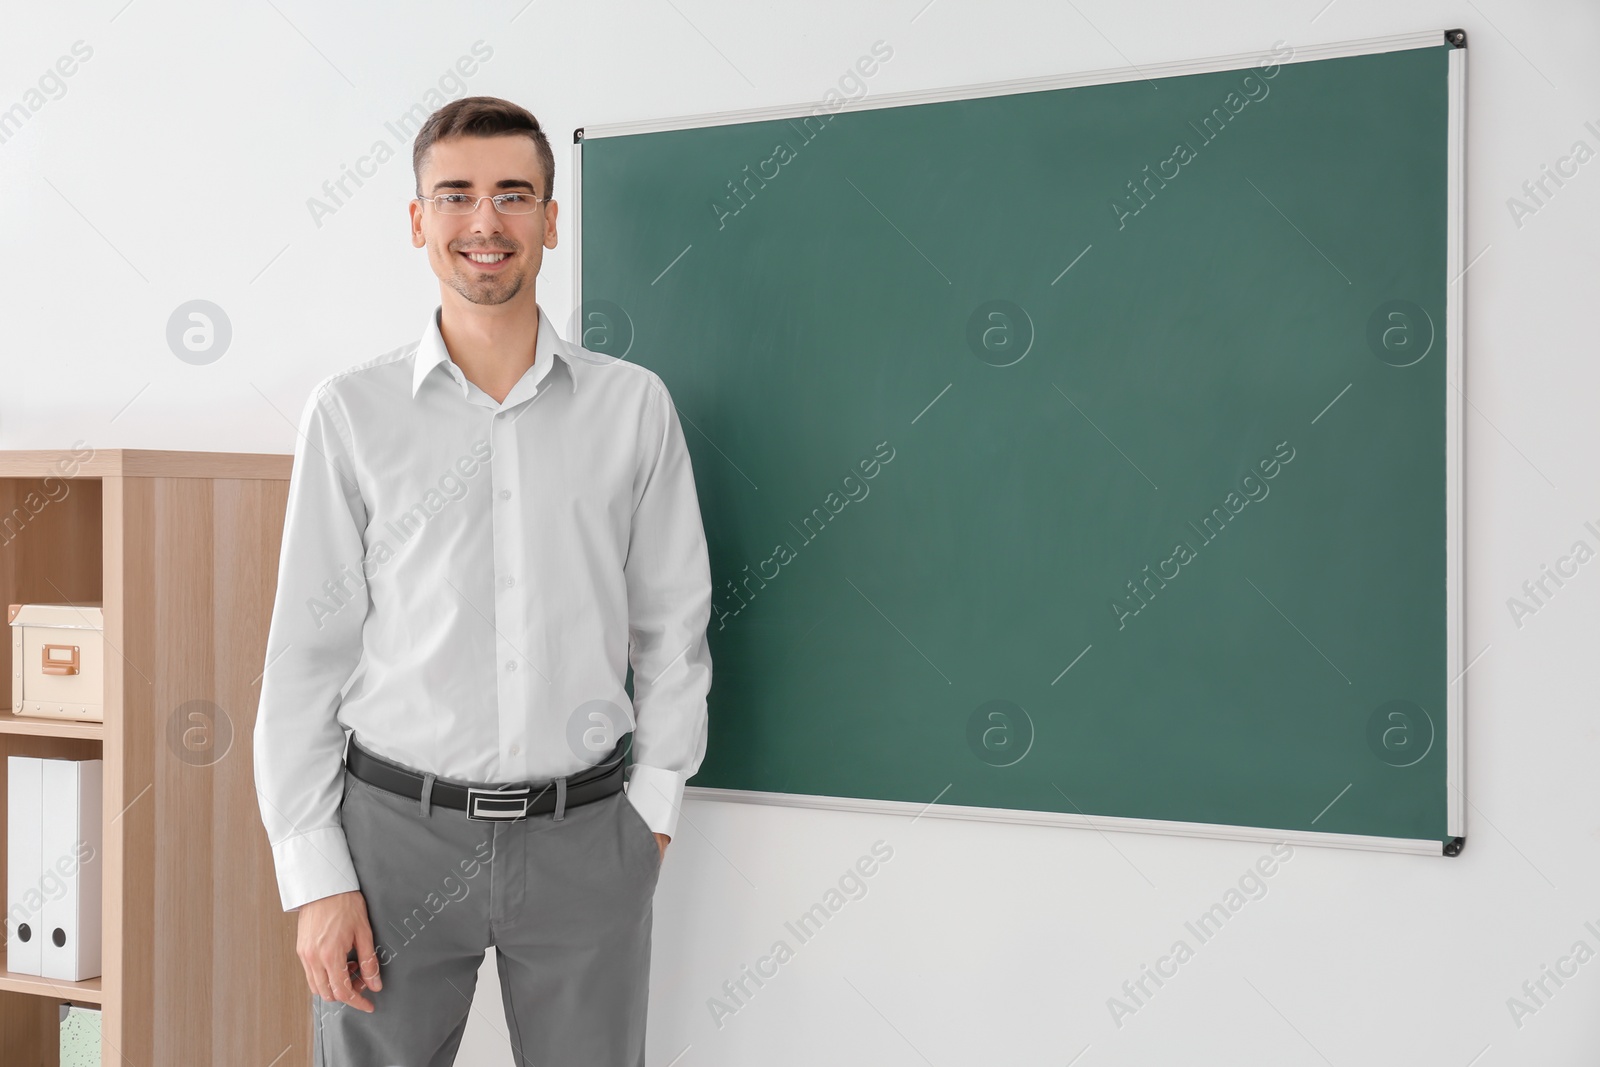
(329, 928)
(661, 840)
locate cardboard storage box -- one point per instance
(58, 660)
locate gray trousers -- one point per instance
(566, 904)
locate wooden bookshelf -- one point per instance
(42, 727)
(181, 549)
(84, 992)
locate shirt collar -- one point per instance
(549, 349)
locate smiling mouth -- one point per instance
(487, 259)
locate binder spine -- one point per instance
(24, 912)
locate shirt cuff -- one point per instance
(657, 794)
(313, 865)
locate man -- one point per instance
(484, 529)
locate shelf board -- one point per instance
(144, 463)
(42, 726)
(87, 990)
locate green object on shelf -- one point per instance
(80, 1036)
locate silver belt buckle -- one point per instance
(490, 804)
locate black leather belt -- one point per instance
(494, 803)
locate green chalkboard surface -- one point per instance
(1077, 451)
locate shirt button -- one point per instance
(511, 664)
(505, 494)
(510, 580)
(515, 749)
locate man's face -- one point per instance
(484, 166)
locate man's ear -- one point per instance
(418, 238)
(551, 210)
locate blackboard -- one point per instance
(1083, 450)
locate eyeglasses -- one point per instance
(505, 203)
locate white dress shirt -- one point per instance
(464, 583)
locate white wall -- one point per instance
(975, 943)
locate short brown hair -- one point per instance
(482, 116)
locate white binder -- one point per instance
(72, 847)
(24, 863)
